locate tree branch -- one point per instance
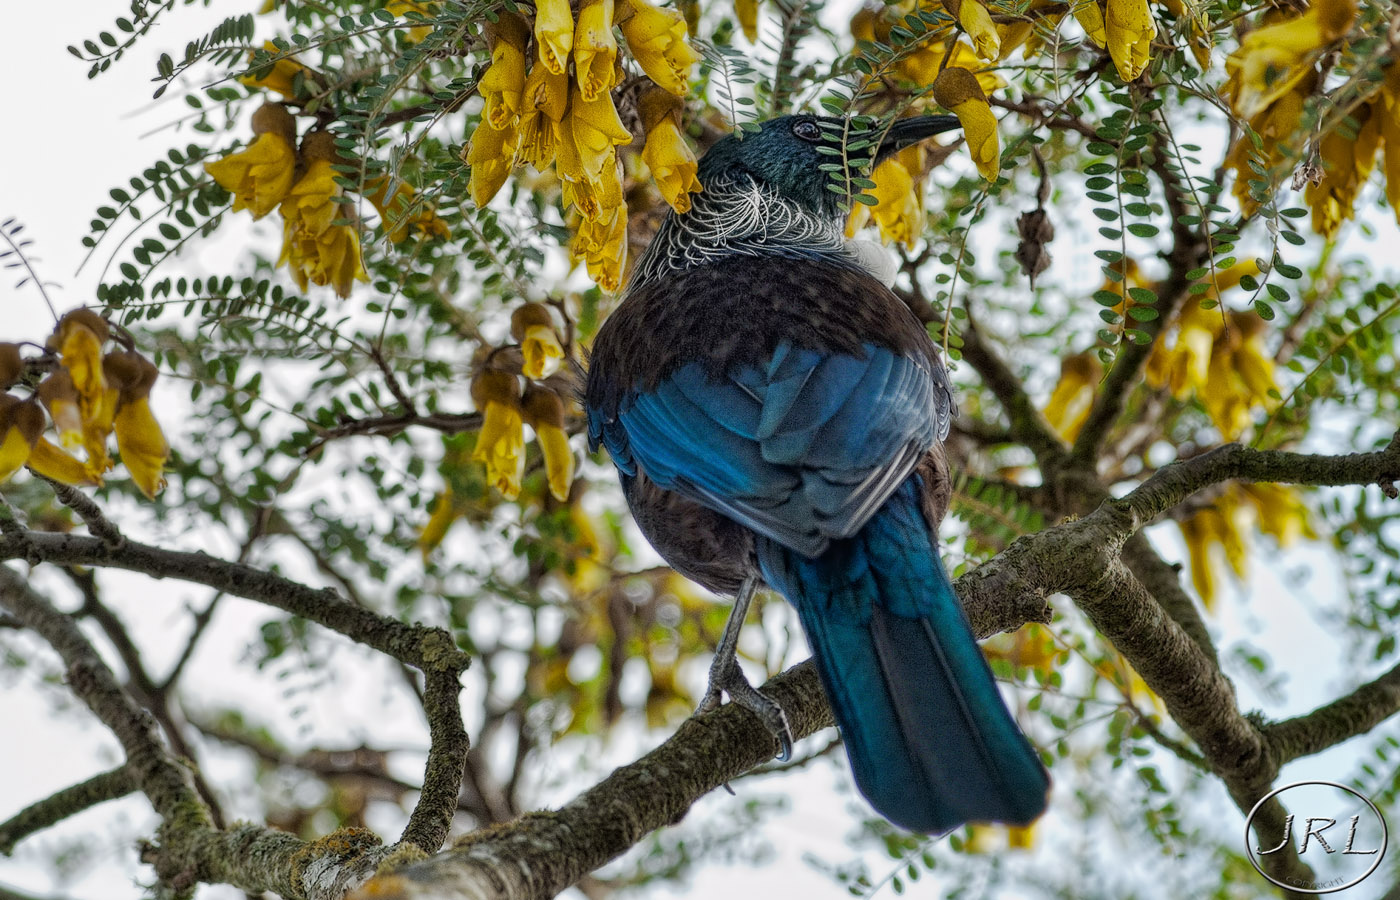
(447, 759)
(1028, 425)
(422, 647)
(164, 782)
(1336, 722)
(447, 423)
(97, 523)
(68, 802)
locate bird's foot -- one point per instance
(727, 678)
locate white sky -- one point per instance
(66, 140)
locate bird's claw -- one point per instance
(727, 678)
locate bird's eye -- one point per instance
(807, 130)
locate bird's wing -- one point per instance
(803, 449)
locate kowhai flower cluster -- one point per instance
(506, 408)
(1274, 77)
(320, 242)
(959, 75)
(554, 106)
(89, 393)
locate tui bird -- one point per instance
(776, 415)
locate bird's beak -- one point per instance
(907, 132)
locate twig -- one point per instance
(1338, 721)
(98, 524)
(1028, 425)
(447, 758)
(447, 423)
(68, 802)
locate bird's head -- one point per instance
(794, 155)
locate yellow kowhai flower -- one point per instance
(21, 424)
(1073, 396)
(597, 200)
(974, 19)
(595, 49)
(899, 209)
(554, 32)
(1012, 35)
(672, 163)
(746, 12)
(1272, 59)
(1282, 514)
(46, 459)
(491, 155)
(1125, 27)
(957, 90)
(545, 103)
(870, 26)
(1129, 30)
(1185, 366)
(532, 327)
(1224, 528)
(1279, 131)
(445, 511)
(1346, 164)
(1089, 14)
(260, 176)
(278, 76)
(602, 246)
(140, 440)
(1387, 109)
(500, 445)
(922, 67)
(503, 83)
(315, 250)
(60, 397)
(1197, 27)
(78, 339)
(1240, 376)
(657, 39)
(544, 413)
(399, 7)
(333, 258)
(1032, 647)
(986, 839)
(1209, 532)
(397, 212)
(587, 137)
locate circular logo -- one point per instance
(1334, 830)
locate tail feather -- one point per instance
(931, 743)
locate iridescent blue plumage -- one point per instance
(776, 414)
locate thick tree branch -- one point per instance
(68, 802)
